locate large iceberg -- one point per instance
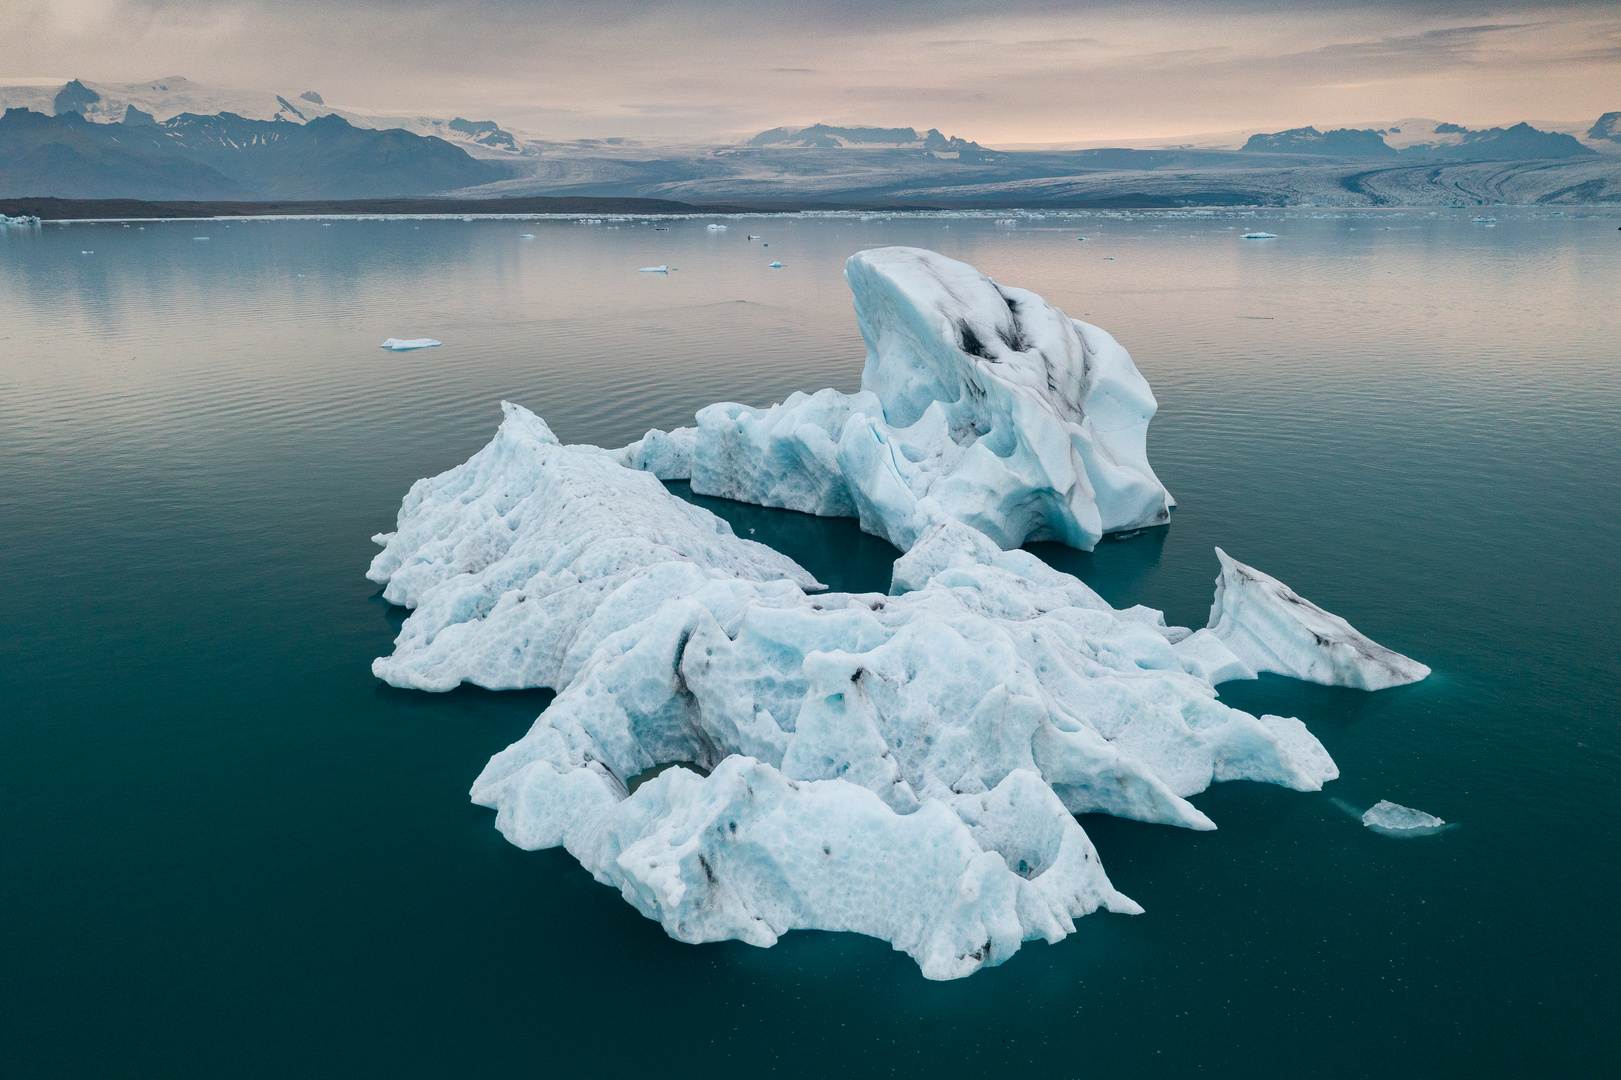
(906, 765)
(979, 403)
(996, 698)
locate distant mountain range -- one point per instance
(1522, 142)
(224, 156)
(173, 139)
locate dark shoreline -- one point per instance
(53, 209)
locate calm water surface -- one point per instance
(227, 850)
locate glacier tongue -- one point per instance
(979, 403)
(1269, 627)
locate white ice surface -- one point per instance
(661, 269)
(401, 345)
(1269, 627)
(939, 741)
(979, 403)
(1387, 816)
(906, 766)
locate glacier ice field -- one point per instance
(906, 766)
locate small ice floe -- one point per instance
(716, 228)
(1483, 221)
(402, 345)
(1260, 236)
(776, 266)
(1007, 221)
(661, 228)
(753, 237)
(1270, 627)
(87, 253)
(199, 238)
(654, 270)
(1082, 239)
(1394, 819)
(527, 236)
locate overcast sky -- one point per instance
(1011, 72)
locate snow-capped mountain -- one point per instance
(164, 99)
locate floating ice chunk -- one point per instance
(776, 266)
(401, 345)
(527, 236)
(980, 403)
(660, 269)
(22, 221)
(751, 236)
(904, 766)
(1260, 236)
(1270, 627)
(716, 228)
(1386, 816)
(199, 238)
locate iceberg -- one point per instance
(1386, 816)
(979, 403)
(776, 266)
(660, 269)
(1267, 626)
(743, 753)
(402, 345)
(939, 740)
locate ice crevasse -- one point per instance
(908, 765)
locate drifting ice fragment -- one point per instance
(527, 236)
(399, 345)
(661, 269)
(1270, 627)
(980, 403)
(1387, 816)
(1260, 236)
(716, 228)
(776, 266)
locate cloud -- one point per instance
(1032, 70)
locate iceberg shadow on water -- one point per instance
(903, 761)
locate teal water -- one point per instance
(227, 850)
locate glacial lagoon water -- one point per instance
(227, 850)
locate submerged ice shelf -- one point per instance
(905, 765)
